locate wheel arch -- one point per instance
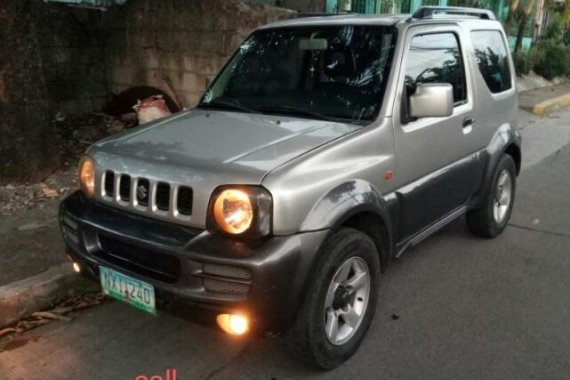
(505, 141)
(371, 224)
(514, 151)
(355, 204)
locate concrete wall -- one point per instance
(71, 51)
(175, 45)
(56, 59)
(297, 5)
(50, 62)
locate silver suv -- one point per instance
(324, 148)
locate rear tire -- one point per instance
(493, 216)
(340, 301)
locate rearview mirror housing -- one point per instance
(432, 100)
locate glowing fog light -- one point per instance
(233, 324)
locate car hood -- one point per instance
(220, 141)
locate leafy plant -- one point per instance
(552, 57)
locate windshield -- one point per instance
(333, 72)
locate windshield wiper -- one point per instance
(292, 110)
(225, 104)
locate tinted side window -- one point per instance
(436, 58)
(492, 59)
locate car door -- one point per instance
(437, 165)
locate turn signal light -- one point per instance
(233, 324)
(87, 177)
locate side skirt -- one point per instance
(430, 230)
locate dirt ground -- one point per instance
(30, 240)
(75, 134)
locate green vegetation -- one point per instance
(550, 54)
(551, 59)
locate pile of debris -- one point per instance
(24, 197)
(66, 311)
(75, 135)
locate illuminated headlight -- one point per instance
(87, 176)
(241, 210)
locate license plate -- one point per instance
(127, 289)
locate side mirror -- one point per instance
(432, 100)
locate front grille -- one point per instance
(163, 196)
(109, 183)
(143, 192)
(152, 264)
(184, 202)
(147, 195)
(125, 188)
(70, 229)
(225, 287)
(225, 279)
(227, 271)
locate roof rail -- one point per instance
(429, 12)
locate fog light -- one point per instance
(76, 267)
(233, 324)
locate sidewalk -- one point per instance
(542, 101)
(34, 272)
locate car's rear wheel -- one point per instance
(493, 216)
(341, 300)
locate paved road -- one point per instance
(467, 308)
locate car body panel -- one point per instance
(299, 185)
(204, 150)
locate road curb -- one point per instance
(550, 105)
(21, 298)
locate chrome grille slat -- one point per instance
(111, 190)
(152, 196)
(133, 191)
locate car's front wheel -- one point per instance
(340, 305)
(492, 217)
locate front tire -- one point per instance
(340, 305)
(493, 216)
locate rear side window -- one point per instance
(436, 58)
(492, 59)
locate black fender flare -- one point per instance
(346, 201)
(505, 137)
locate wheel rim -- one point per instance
(503, 196)
(347, 300)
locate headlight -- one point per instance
(241, 210)
(87, 177)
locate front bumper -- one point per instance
(193, 270)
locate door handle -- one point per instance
(468, 125)
(468, 121)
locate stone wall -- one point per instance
(57, 60)
(50, 62)
(71, 49)
(305, 6)
(177, 46)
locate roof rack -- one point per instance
(429, 12)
